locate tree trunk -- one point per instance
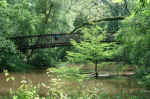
(96, 70)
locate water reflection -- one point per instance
(108, 86)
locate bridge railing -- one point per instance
(32, 41)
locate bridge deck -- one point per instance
(44, 40)
(48, 40)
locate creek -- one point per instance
(110, 86)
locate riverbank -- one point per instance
(112, 86)
(118, 85)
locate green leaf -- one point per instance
(117, 1)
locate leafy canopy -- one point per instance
(90, 48)
(135, 37)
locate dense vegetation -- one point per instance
(111, 30)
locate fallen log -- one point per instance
(110, 75)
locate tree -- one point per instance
(91, 48)
(135, 37)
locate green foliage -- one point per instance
(45, 57)
(134, 35)
(117, 1)
(144, 3)
(8, 76)
(67, 72)
(17, 19)
(143, 76)
(10, 58)
(27, 17)
(91, 49)
(7, 46)
(26, 91)
(135, 39)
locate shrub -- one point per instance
(44, 58)
(10, 58)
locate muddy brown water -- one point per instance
(109, 86)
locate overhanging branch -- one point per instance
(97, 21)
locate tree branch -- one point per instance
(126, 7)
(97, 21)
(48, 14)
